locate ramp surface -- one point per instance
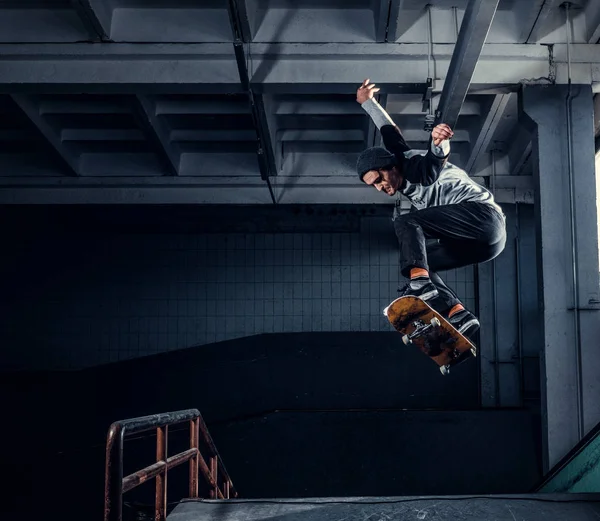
(533, 507)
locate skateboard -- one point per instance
(424, 327)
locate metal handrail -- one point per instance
(115, 485)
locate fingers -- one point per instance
(366, 91)
(442, 132)
(368, 85)
(442, 135)
(442, 127)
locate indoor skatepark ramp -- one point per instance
(579, 470)
(549, 507)
(209, 478)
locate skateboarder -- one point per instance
(447, 205)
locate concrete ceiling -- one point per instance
(252, 101)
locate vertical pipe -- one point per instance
(574, 258)
(113, 475)
(226, 489)
(494, 301)
(194, 436)
(456, 30)
(429, 47)
(271, 190)
(213, 470)
(519, 306)
(160, 505)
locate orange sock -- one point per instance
(418, 272)
(455, 309)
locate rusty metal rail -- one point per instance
(115, 485)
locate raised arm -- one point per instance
(390, 132)
(425, 169)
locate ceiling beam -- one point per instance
(357, 135)
(101, 134)
(240, 27)
(407, 105)
(592, 21)
(532, 18)
(73, 105)
(519, 153)
(221, 135)
(474, 29)
(31, 109)
(400, 20)
(201, 105)
(395, 105)
(380, 14)
(339, 68)
(119, 68)
(157, 132)
(488, 129)
(96, 17)
(239, 19)
(400, 105)
(207, 190)
(277, 68)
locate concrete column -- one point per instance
(568, 281)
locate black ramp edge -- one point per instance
(531, 507)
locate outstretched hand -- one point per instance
(440, 133)
(366, 91)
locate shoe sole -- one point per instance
(429, 295)
(469, 327)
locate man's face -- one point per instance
(386, 181)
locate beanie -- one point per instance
(372, 159)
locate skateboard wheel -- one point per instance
(406, 340)
(474, 351)
(444, 369)
(435, 321)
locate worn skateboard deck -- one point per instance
(424, 327)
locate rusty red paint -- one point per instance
(115, 485)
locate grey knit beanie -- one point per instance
(372, 159)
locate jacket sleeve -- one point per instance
(392, 137)
(425, 169)
(393, 140)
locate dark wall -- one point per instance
(382, 453)
(291, 414)
(88, 286)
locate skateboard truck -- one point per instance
(420, 328)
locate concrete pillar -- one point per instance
(568, 280)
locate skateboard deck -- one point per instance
(424, 327)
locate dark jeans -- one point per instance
(466, 233)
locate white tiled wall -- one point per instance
(155, 293)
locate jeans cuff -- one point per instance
(407, 266)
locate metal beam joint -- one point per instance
(474, 29)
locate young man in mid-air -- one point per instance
(448, 206)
